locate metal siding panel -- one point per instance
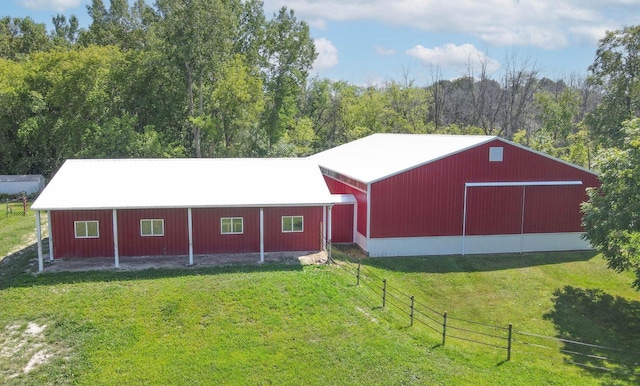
(338, 187)
(550, 209)
(494, 210)
(174, 242)
(277, 241)
(342, 223)
(207, 236)
(65, 245)
(429, 200)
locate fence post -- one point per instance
(7, 215)
(412, 299)
(509, 343)
(358, 277)
(384, 293)
(444, 328)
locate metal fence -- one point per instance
(503, 337)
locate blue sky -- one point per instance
(369, 42)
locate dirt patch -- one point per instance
(23, 348)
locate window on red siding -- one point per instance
(231, 225)
(152, 227)
(86, 229)
(292, 224)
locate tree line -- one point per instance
(217, 78)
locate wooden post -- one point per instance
(412, 301)
(384, 293)
(509, 343)
(358, 277)
(444, 328)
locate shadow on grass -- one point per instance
(468, 263)
(17, 270)
(610, 324)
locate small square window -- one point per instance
(231, 225)
(152, 227)
(292, 224)
(86, 229)
(495, 154)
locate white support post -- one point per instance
(50, 232)
(324, 228)
(524, 196)
(116, 250)
(464, 218)
(329, 232)
(39, 239)
(261, 235)
(190, 221)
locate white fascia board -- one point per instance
(522, 183)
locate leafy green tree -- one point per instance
(21, 36)
(289, 53)
(237, 102)
(616, 69)
(612, 214)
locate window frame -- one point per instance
(152, 234)
(496, 154)
(292, 230)
(86, 229)
(232, 227)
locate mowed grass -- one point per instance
(15, 229)
(287, 324)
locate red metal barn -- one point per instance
(160, 207)
(447, 194)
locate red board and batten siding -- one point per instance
(339, 187)
(208, 237)
(429, 200)
(174, 242)
(308, 240)
(66, 245)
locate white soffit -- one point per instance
(184, 183)
(379, 156)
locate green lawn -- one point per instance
(286, 324)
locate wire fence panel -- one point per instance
(544, 347)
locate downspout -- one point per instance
(261, 235)
(190, 226)
(464, 219)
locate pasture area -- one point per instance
(289, 324)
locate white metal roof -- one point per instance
(183, 183)
(379, 156)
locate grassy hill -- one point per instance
(287, 324)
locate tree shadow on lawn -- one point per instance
(474, 263)
(609, 324)
(18, 270)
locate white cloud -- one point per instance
(450, 56)
(384, 51)
(549, 24)
(50, 5)
(327, 55)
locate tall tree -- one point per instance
(289, 53)
(612, 215)
(616, 69)
(21, 36)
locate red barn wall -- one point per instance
(339, 187)
(429, 200)
(207, 236)
(277, 241)
(342, 223)
(65, 244)
(174, 242)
